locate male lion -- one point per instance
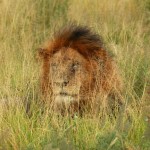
(78, 73)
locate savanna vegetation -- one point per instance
(25, 123)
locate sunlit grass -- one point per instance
(24, 26)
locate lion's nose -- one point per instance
(65, 83)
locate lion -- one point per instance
(78, 73)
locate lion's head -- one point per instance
(76, 68)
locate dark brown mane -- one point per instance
(79, 38)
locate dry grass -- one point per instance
(24, 25)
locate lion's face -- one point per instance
(69, 75)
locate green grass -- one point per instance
(24, 26)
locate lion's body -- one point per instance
(78, 71)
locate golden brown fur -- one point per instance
(76, 66)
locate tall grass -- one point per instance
(24, 26)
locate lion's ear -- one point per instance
(41, 53)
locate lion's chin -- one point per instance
(66, 99)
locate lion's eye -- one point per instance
(54, 65)
(74, 66)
